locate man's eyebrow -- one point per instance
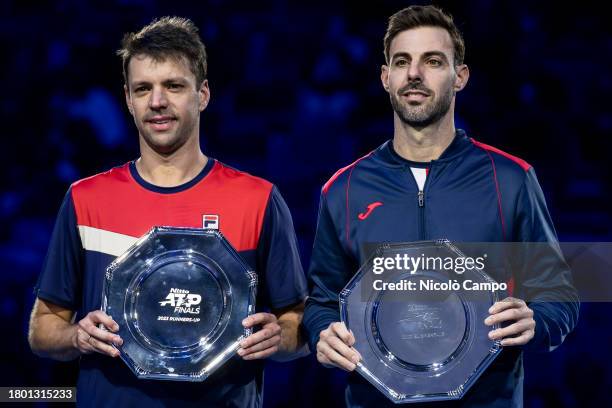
(425, 55)
(174, 80)
(435, 54)
(168, 81)
(136, 84)
(400, 54)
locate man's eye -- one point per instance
(434, 62)
(140, 89)
(401, 63)
(175, 86)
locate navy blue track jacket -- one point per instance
(473, 193)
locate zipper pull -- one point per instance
(421, 197)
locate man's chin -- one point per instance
(415, 118)
(164, 146)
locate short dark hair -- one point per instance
(167, 37)
(424, 16)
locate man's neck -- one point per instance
(172, 170)
(426, 144)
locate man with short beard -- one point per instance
(173, 184)
(431, 182)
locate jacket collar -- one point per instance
(458, 146)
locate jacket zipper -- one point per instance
(422, 232)
(421, 209)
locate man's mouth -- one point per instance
(416, 96)
(414, 92)
(161, 122)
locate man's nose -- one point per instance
(158, 99)
(414, 72)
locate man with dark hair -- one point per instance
(172, 184)
(429, 182)
(168, 37)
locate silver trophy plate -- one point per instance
(179, 296)
(420, 327)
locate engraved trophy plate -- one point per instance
(179, 296)
(419, 327)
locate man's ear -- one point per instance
(384, 77)
(204, 94)
(128, 99)
(463, 74)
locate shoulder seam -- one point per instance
(338, 173)
(267, 183)
(488, 148)
(94, 176)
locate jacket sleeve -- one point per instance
(544, 278)
(330, 270)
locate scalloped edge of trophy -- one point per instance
(146, 375)
(119, 260)
(253, 279)
(399, 398)
(209, 368)
(454, 394)
(162, 230)
(199, 376)
(138, 371)
(210, 365)
(200, 231)
(220, 359)
(488, 359)
(387, 391)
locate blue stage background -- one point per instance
(295, 96)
